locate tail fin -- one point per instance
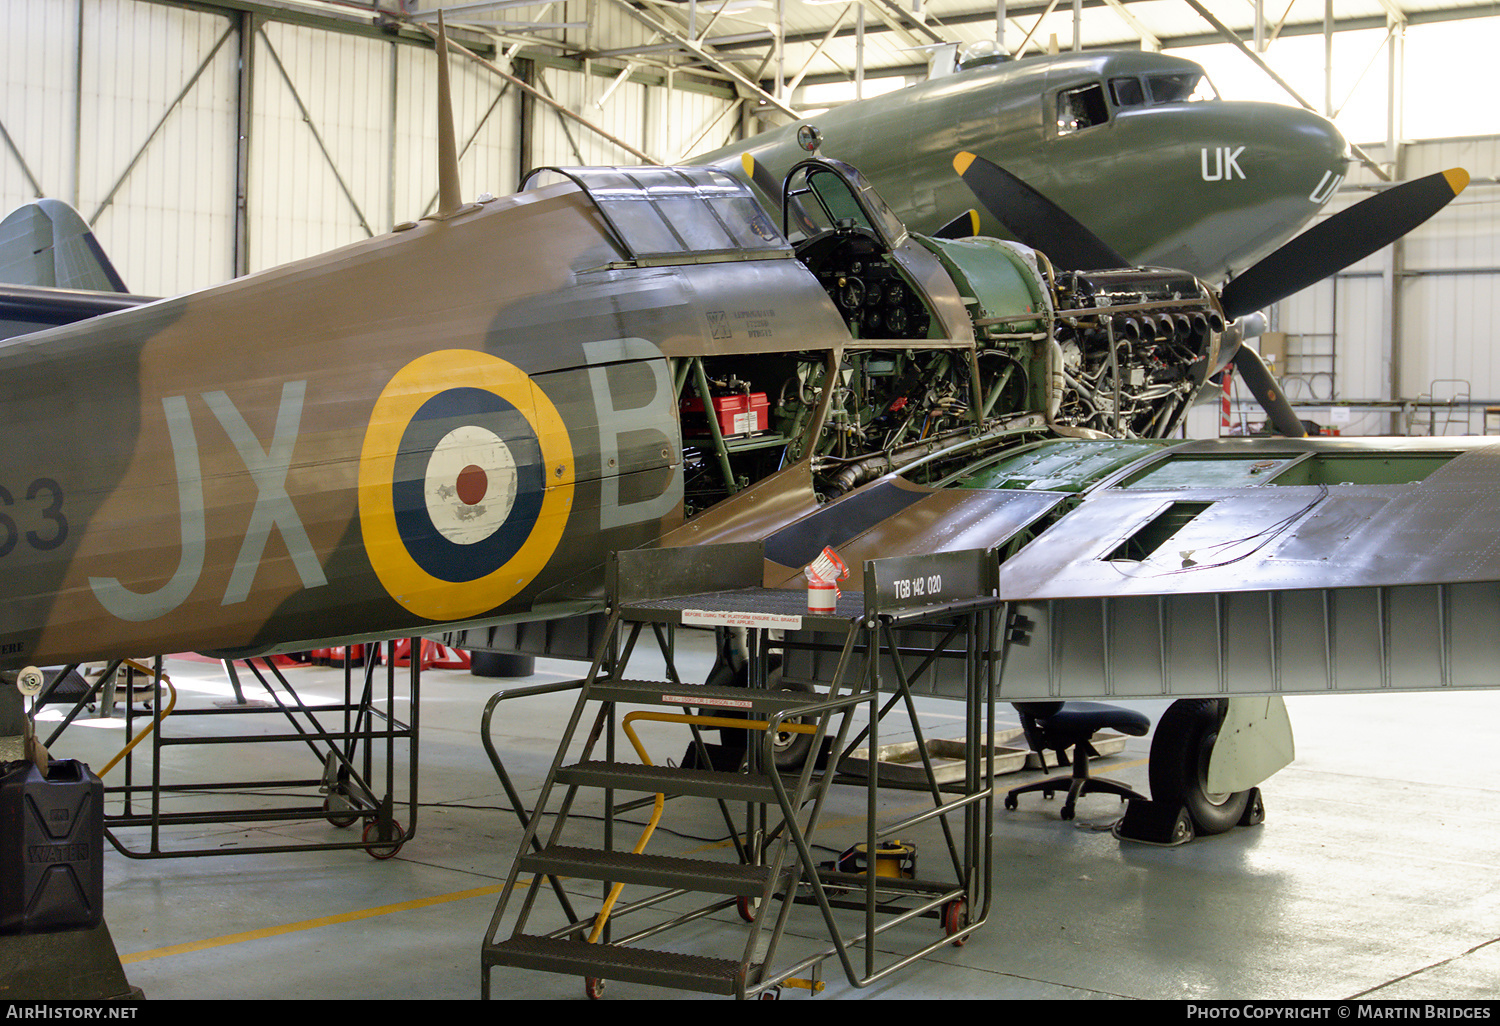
(46, 243)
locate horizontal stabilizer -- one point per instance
(46, 243)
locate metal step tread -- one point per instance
(711, 699)
(611, 962)
(654, 870)
(630, 776)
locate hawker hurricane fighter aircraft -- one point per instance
(454, 424)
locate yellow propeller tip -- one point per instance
(973, 221)
(748, 163)
(1458, 179)
(962, 161)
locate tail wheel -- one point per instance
(1180, 750)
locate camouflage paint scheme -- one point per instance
(192, 474)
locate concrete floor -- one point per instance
(1372, 877)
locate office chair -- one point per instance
(1063, 725)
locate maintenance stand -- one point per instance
(772, 812)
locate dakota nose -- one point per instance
(1314, 152)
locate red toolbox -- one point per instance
(738, 414)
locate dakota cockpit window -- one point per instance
(1127, 92)
(1180, 87)
(1081, 108)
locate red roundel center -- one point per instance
(473, 482)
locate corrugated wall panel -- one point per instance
(38, 58)
(560, 140)
(485, 130)
(1448, 295)
(686, 117)
(608, 26)
(298, 205)
(158, 133)
(170, 224)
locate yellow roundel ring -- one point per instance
(465, 484)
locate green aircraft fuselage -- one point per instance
(1205, 185)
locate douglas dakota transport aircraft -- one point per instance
(454, 423)
(1133, 144)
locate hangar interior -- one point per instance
(310, 126)
(203, 140)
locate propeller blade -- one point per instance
(964, 226)
(1034, 219)
(1267, 391)
(1343, 239)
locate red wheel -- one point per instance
(747, 908)
(593, 988)
(955, 918)
(387, 849)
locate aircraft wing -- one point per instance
(1272, 515)
(1264, 566)
(1152, 569)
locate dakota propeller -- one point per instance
(1323, 250)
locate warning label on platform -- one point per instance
(724, 618)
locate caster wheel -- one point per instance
(747, 907)
(386, 850)
(955, 918)
(1067, 812)
(774, 994)
(1011, 802)
(338, 816)
(593, 988)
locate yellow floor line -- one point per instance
(370, 913)
(309, 924)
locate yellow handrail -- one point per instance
(660, 803)
(148, 728)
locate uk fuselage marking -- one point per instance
(1226, 164)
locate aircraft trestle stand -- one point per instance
(354, 743)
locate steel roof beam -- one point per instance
(705, 54)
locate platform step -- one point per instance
(708, 700)
(651, 870)
(610, 962)
(628, 776)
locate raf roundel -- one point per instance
(465, 484)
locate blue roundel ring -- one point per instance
(443, 413)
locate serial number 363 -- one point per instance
(53, 527)
(918, 586)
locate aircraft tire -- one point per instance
(791, 750)
(501, 664)
(1180, 750)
